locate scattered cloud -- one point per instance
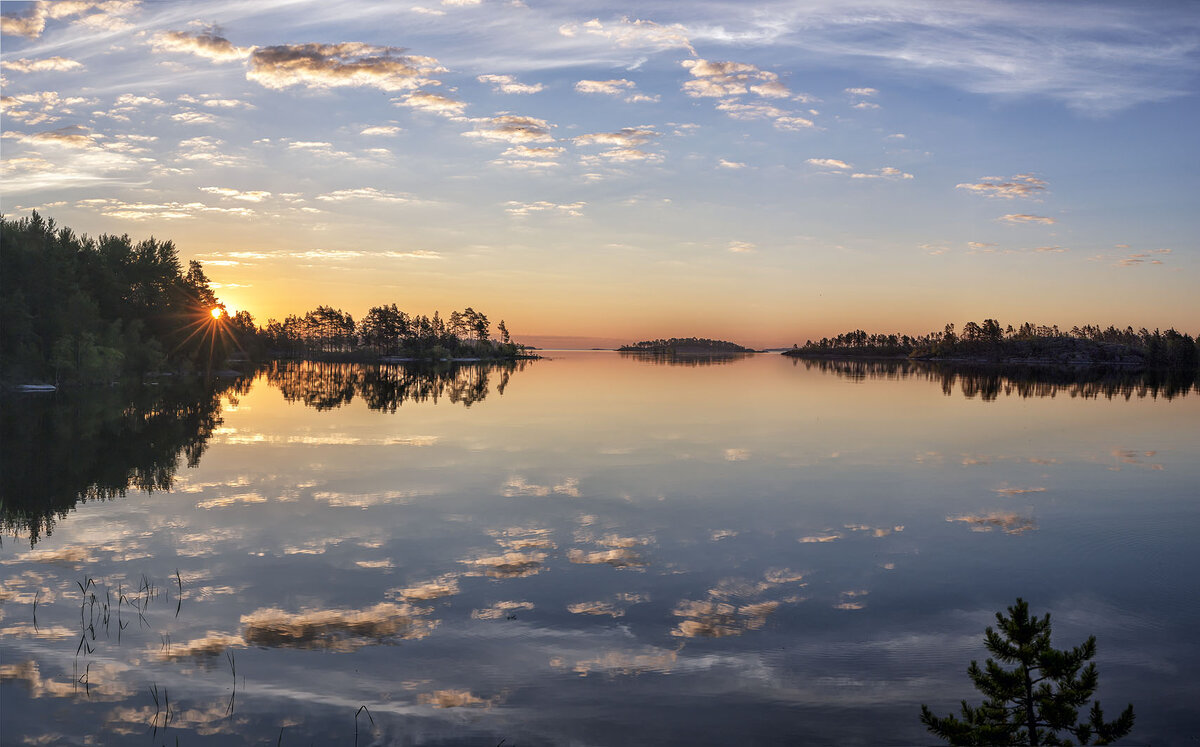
(352, 64)
(99, 14)
(828, 163)
(204, 44)
(530, 157)
(233, 194)
(45, 64)
(193, 117)
(615, 87)
(861, 91)
(512, 128)
(139, 211)
(509, 84)
(724, 164)
(723, 79)
(1021, 185)
(1025, 218)
(783, 120)
(634, 33)
(365, 193)
(1140, 258)
(739, 247)
(433, 103)
(381, 130)
(626, 137)
(887, 172)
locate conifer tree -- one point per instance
(1038, 702)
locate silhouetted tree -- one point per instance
(1037, 700)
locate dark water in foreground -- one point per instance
(592, 549)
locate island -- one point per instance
(685, 346)
(989, 342)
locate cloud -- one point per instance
(783, 120)
(138, 211)
(206, 45)
(724, 164)
(414, 254)
(512, 128)
(46, 64)
(351, 64)
(739, 247)
(102, 14)
(865, 105)
(626, 137)
(1021, 185)
(381, 130)
(365, 193)
(861, 91)
(635, 33)
(521, 210)
(721, 79)
(828, 163)
(887, 172)
(233, 194)
(1139, 258)
(50, 106)
(1119, 56)
(73, 136)
(509, 84)
(527, 157)
(432, 103)
(614, 87)
(1025, 218)
(193, 117)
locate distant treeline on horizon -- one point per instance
(989, 341)
(685, 345)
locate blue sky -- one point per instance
(763, 172)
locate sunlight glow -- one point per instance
(216, 313)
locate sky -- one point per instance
(600, 173)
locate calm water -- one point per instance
(589, 549)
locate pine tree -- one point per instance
(1037, 700)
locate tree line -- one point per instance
(94, 310)
(1029, 342)
(77, 310)
(386, 331)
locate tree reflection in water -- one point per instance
(386, 386)
(685, 359)
(989, 382)
(94, 444)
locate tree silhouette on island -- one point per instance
(1037, 700)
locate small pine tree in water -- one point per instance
(1038, 702)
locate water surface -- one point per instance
(589, 549)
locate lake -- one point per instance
(590, 549)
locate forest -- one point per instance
(78, 310)
(989, 341)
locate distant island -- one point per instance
(685, 346)
(990, 343)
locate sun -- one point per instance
(216, 312)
